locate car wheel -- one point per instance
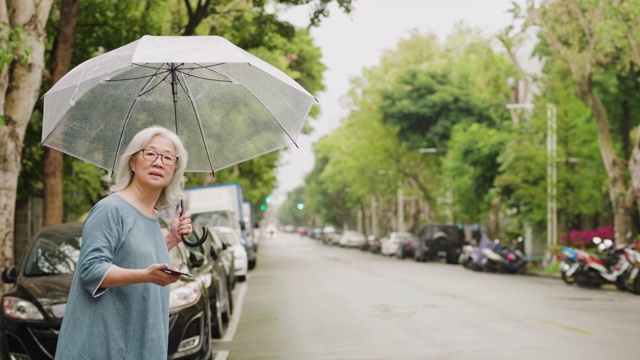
(241, 278)
(452, 257)
(216, 321)
(230, 295)
(252, 264)
(226, 314)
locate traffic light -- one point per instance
(300, 206)
(263, 207)
(267, 199)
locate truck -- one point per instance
(216, 205)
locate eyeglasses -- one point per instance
(152, 156)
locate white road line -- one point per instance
(235, 317)
(221, 355)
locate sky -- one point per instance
(352, 42)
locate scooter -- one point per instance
(569, 264)
(471, 258)
(504, 260)
(595, 272)
(630, 277)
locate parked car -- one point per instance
(249, 227)
(216, 272)
(331, 235)
(34, 308)
(316, 233)
(352, 238)
(389, 245)
(437, 240)
(372, 245)
(229, 238)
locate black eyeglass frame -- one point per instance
(162, 157)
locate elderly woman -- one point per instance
(118, 306)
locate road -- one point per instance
(306, 300)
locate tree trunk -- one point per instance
(419, 184)
(52, 159)
(615, 167)
(24, 80)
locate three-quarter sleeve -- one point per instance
(100, 236)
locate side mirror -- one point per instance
(9, 275)
(196, 259)
(243, 225)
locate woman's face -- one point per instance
(154, 165)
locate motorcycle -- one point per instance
(569, 264)
(471, 258)
(629, 278)
(594, 271)
(504, 259)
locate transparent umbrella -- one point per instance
(227, 105)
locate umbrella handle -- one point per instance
(185, 239)
(205, 234)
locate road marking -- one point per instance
(235, 317)
(222, 355)
(566, 327)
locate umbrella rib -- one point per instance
(261, 102)
(126, 119)
(187, 90)
(156, 85)
(137, 77)
(203, 78)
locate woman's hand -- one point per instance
(181, 225)
(157, 275)
(154, 273)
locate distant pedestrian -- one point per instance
(118, 305)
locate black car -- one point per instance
(437, 240)
(217, 271)
(33, 310)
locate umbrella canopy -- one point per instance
(227, 105)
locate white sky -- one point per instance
(351, 42)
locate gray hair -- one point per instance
(171, 193)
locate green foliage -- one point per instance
(82, 186)
(471, 168)
(425, 105)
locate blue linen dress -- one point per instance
(127, 322)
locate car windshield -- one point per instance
(217, 218)
(53, 254)
(228, 238)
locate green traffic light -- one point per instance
(300, 206)
(263, 207)
(268, 199)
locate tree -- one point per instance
(20, 82)
(587, 36)
(52, 160)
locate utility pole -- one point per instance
(374, 217)
(400, 226)
(552, 178)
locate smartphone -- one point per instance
(175, 272)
